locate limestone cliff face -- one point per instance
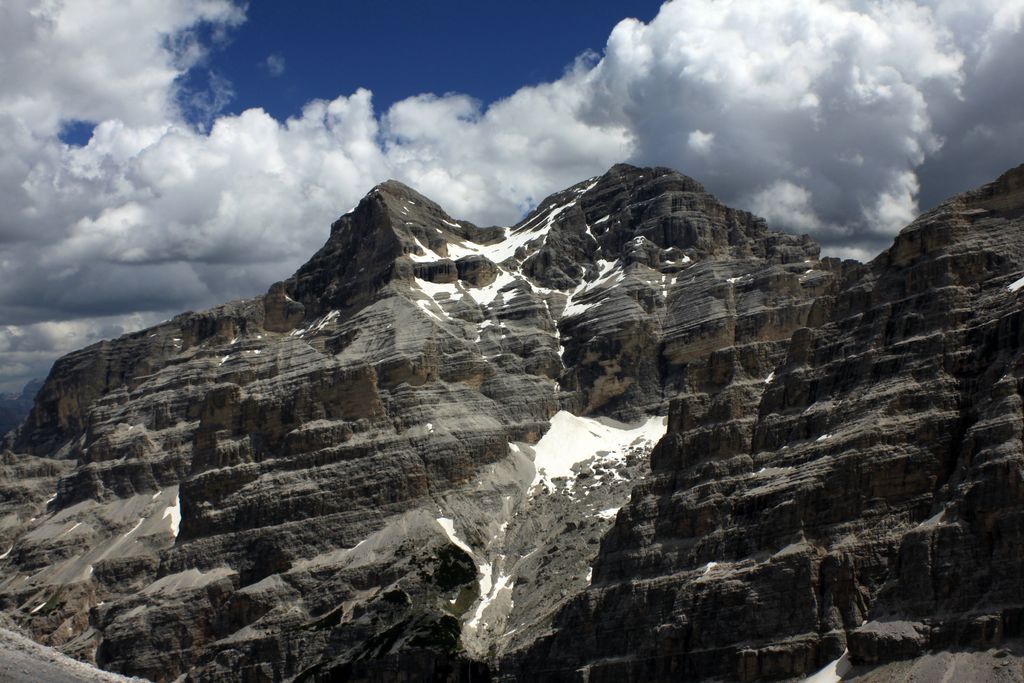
(865, 495)
(409, 458)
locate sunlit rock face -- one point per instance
(637, 436)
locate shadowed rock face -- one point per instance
(867, 497)
(409, 458)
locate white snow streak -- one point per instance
(488, 590)
(607, 269)
(449, 528)
(932, 521)
(833, 671)
(503, 583)
(76, 525)
(129, 533)
(523, 235)
(326, 319)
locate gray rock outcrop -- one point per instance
(865, 497)
(637, 436)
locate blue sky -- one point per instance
(166, 155)
(397, 49)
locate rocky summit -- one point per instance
(638, 436)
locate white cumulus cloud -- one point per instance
(839, 118)
(274, 64)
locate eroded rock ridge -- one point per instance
(637, 436)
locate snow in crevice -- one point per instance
(932, 521)
(1014, 286)
(432, 290)
(430, 305)
(449, 529)
(494, 584)
(609, 273)
(319, 325)
(575, 308)
(483, 296)
(133, 529)
(833, 672)
(502, 583)
(529, 232)
(770, 378)
(459, 248)
(572, 439)
(73, 527)
(427, 308)
(428, 254)
(7, 553)
(609, 513)
(484, 569)
(548, 214)
(174, 512)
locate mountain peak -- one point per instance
(439, 447)
(398, 191)
(653, 218)
(1005, 196)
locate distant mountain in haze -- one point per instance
(14, 407)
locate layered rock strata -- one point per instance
(429, 453)
(865, 498)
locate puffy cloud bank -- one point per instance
(836, 118)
